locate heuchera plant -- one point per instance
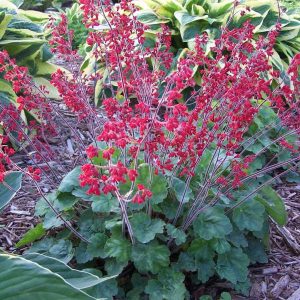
(175, 186)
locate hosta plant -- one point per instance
(189, 18)
(174, 187)
(23, 36)
(36, 276)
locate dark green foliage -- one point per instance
(223, 240)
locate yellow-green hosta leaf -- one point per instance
(8, 7)
(35, 16)
(6, 88)
(5, 19)
(16, 42)
(52, 91)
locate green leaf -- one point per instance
(237, 238)
(78, 279)
(60, 249)
(105, 204)
(185, 18)
(149, 17)
(273, 204)
(32, 235)
(190, 31)
(81, 254)
(51, 90)
(205, 269)
(10, 186)
(168, 285)
(201, 249)
(179, 186)
(113, 267)
(150, 257)
(158, 185)
(256, 251)
(70, 181)
(144, 228)
(139, 283)
(212, 223)
(249, 215)
(96, 245)
(233, 265)
(118, 247)
(159, 189)
(185, 263)
(107, 289)
(219, 9)
(5, 19)
(51, 220)
(176, 233)
(220, 245)
(32, 281)
(225, 296)
(65, 201)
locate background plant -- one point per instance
(174, 188)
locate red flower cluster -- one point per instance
(161, 116)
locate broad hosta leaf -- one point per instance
(8, 189)
(8, 7)
(273, 204)
(107, 289)
(151, 257)
(168, 285)
(4, 20)
(233, 265)
(212, 223)
(51, 90)
(25, 280)
(33, 15)
(144, 228)
(78, 279)
(185, 18)
(249, 215)
(32, 235)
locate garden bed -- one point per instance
(278, 279)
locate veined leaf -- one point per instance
(10, 186)
(32, 281)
